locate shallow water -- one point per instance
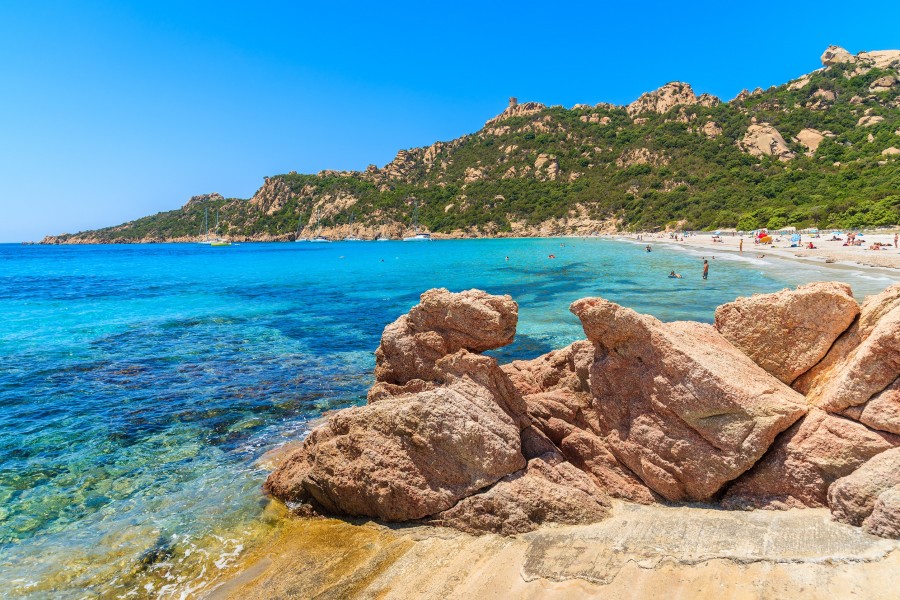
(139, 384)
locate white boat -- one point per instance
(297, 238)
(418, 236)
(319, 239)
(382, 239)
(352, 238)
(206, 239)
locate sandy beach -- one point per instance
(640, 552)
(825, 250)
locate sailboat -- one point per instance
(299, 226)
(419, 236)
(351, 237)
(321, 239)
(218, 241)
(206, 239)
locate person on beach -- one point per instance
(895, 240)
(705, 268)
(741, 246)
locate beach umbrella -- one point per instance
(717, 233)
(814, 231)
(795, 237)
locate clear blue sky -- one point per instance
(114, 110)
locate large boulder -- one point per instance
(556, 390)
(567, 368)
(805, 460)
(788, 332)
(873, 309)
(549, 490)
(410, 456)
(881, 412)
(867, 370)
(678, 404)
(441, 324)
(852, 498)
(885, 517)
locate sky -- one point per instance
(110, 111)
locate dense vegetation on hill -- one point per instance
(668, 160)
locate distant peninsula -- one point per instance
(821, 150)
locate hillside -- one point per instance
(822, 150)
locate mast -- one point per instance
(206, 223)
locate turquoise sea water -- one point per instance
(140, 384)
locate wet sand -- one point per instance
(640, 552)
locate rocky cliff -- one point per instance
(790, 400)
(818, 150)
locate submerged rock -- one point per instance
(677, 403)
(788, 332)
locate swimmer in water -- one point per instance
(674, 275)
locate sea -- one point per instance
(141, 384)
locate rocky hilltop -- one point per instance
(819, 150)
(790, 400)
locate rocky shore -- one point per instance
(790, 400)
(627, 464)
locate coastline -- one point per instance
(847, 256)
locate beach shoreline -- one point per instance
(858, 257)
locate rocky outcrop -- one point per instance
(711, 130)
(868, 369)
(641, 410)
(517, 110)
(677, 403)
(869, 120)
(667, 97)
(885, 517)
(764, 140)
(441, 324)
(884, 84)
(805, 460)
(788, 332)
(852, 498)
(834, 55)
(409, 456)
(812, 138)
(882, 412)
(873, 309)
(549, 490)
(881, 59)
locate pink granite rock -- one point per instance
(873, 309)
(549, 490)
(410, 456)
(882, 412)
(788, 332)
(441, 324)
(805, 460)
(885, 517)
(678, 404)
(852, 498)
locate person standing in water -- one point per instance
(705, 268)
